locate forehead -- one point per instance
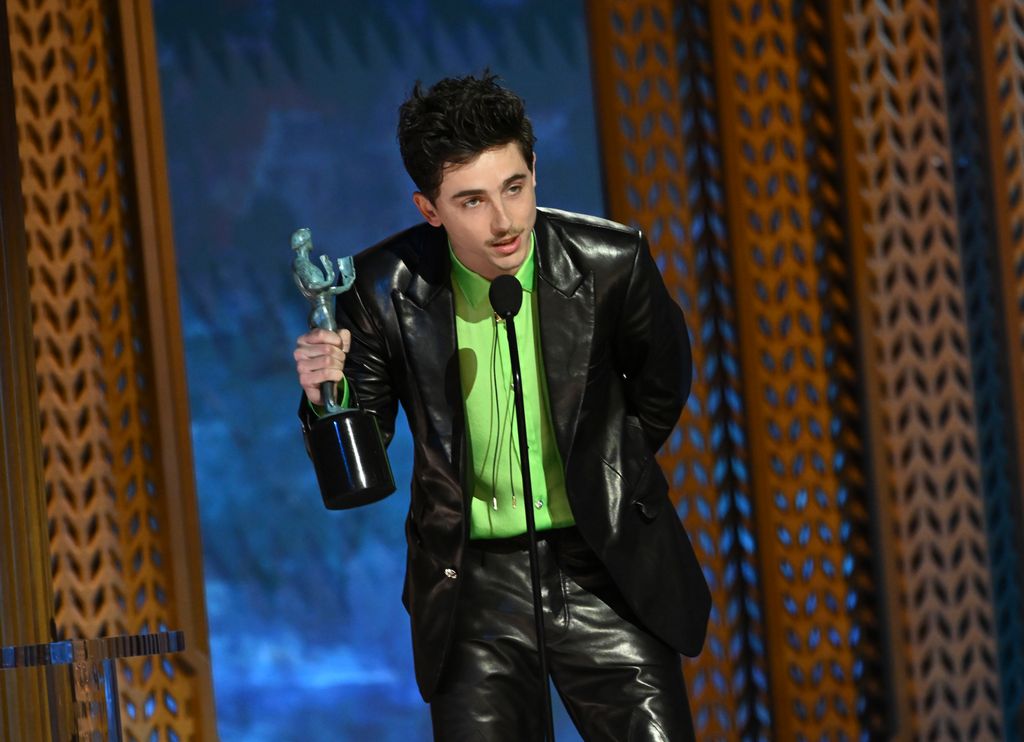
(489, 169)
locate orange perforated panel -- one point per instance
(932, 491)
(109, 512)
(646, 137)
(828, 466)
(787, 251)
(64, 156)
(709, 146)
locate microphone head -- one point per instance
(506, 296)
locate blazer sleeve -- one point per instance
(653, 350)
(366, 366)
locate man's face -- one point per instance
(488, 206)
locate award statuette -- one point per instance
(345, 444)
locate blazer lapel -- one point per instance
(565, 297)
(426, 317)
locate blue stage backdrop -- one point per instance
(281, 114)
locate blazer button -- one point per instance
(450, 573)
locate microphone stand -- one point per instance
(531, 527)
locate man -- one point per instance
(606, 371)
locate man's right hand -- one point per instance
(319, 357)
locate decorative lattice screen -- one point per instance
(817, 181)
(116, 537)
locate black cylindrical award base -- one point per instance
(351, 464)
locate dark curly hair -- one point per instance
(454, 121)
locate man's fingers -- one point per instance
(319, 376)
(320, 337)
(320, 356)
(323, 342)
(318, 351)
(310, 382)
(316, 363)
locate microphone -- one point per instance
(506, 295)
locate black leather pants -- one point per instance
(618, 682)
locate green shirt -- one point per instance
(497, 507)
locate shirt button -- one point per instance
(450, 573)
(539, 504)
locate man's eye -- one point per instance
(514, 189)
(471, 203)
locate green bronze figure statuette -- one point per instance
(345, 444)
(318, 285)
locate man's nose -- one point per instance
(500, 223)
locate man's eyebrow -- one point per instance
(480, 191)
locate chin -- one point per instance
(511, 264)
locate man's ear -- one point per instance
(426, 207)
(533, 170)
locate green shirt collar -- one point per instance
(475, 287)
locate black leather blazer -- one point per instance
(617, 359)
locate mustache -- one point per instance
(510, 235)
